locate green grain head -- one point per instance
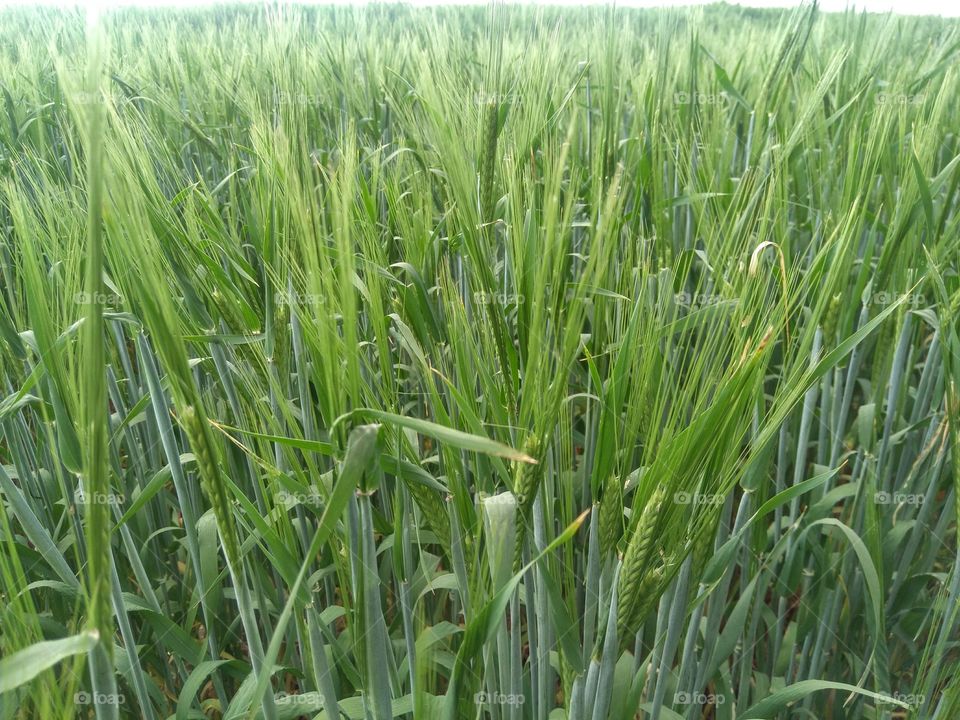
(611, 515)
(633, 581)
(211, 482)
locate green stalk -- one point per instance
(96, 477)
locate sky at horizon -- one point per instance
(946, 8)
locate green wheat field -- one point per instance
(490, 363)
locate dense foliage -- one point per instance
(499, 362)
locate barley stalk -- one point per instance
(611, 515)
(211, 482)
(527, 478)
(488, 158)
(637, 580)
(434, 512)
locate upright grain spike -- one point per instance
(611, 515)
(633, 575)
(525, 486)
(198, 434)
